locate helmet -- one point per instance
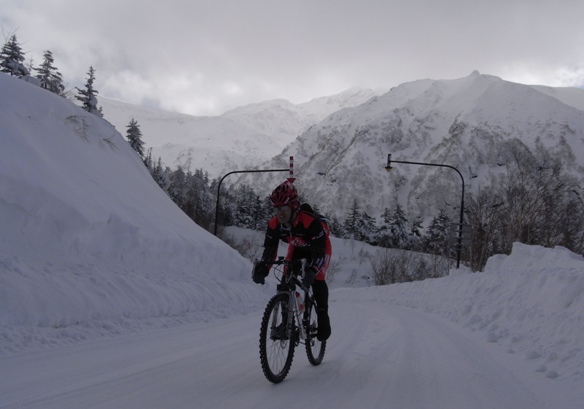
(285, 195)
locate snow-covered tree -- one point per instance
(177, 189)
(12, 58)
(393, 231)
(87, 96)
(398, 229)
(352, 221)
(134, 136)
(416, 234)
(359, 225)
(160, 174)
(51, 79)
(367, 228)
(436, 240)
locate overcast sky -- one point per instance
(203, 57)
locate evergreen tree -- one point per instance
(177, 187)
(246, 207)
(160, 174)
(12, 58)
(352, 222)
(416, 234)
(134, 136)
(87, 96)
(436, 241)
(366, 228)
(398, 229)
(383, 237)
(149, 162)
(393, 231)
(49, 76)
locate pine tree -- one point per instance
(134, 136)
(367, 228)
(352, 221)
(398, 229)
(177, 188)
(416, 234)
(383, 237)
(160, 175)
(12, 58)
(246, 207)
(88, 95)
(51, 79)
(436, 241)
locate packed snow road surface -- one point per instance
(380, 356)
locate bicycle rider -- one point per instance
(308, 239)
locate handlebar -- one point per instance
(294, 266)
(281, 260)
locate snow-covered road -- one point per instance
(379, 356)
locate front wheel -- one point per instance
(276, 347)
(314, 348)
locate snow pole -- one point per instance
(291, 179)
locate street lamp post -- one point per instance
(290, 178)
(459, 246)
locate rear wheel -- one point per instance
(276, 349)
(314, 348)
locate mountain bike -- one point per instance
(289, 320)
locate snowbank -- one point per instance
(531, 301)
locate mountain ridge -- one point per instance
(466, 123)
(340, 143)
(240, 138)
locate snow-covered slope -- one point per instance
(240, 138)
(85, 227)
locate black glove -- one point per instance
(309, 276)
(260, 272)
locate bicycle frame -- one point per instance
(289, 283)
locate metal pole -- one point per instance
(388, 168)
(238, 171)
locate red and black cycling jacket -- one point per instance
(307, 238)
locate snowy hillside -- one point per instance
(469, 123)
(111, 297)
(85, 228)
(239, 139)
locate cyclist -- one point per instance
(307, 238)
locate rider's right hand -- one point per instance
(260, 272)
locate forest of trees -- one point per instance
(534, 201)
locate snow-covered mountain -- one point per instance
(468, 123)
(340, 143)
(239, 139)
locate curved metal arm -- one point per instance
(231, 173)
(388, 168)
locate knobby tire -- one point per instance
(276, 355)
(314, 348)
